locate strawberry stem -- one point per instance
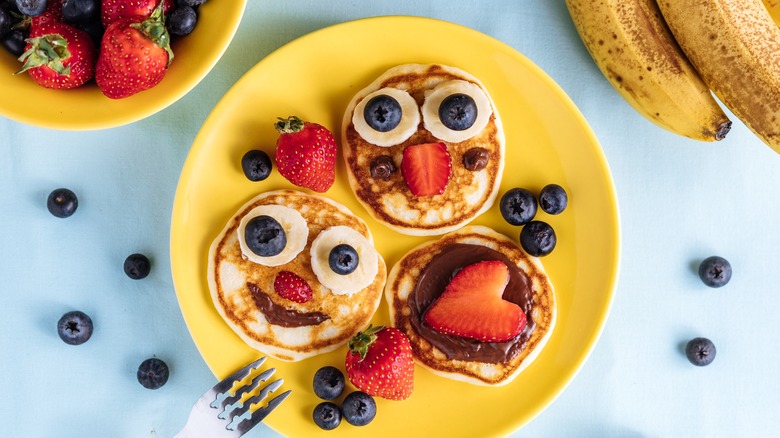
(154, 29)
(50, 50)
(362, 340)
(289, 125)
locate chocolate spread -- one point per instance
(279, 315)
(476, 159)
(435, 277)
(382, 167)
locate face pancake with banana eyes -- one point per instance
(424, 148)
(295, 275)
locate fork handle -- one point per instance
(198, 426)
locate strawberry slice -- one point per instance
(426, 168)
(471, 305)
(292, 287)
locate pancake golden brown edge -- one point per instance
(462, 359)
(243, 291)
(468, 192)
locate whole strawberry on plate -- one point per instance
(306, 154)
(379, 362)
(134, 55)
(112, 10)
(58, 56)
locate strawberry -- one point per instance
(134, 56)
(471, 305)
(112, 10)
(306, 154)
(58, 56)
(379, 363)
(292, 287)
(426, 168)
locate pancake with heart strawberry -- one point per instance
(475, 306)
(272, 279)
(424, 148)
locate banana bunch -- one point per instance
(664, 57)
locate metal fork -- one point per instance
(217, 413)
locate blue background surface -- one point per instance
(680, 201)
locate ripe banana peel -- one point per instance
(633, 47)
(735, 46)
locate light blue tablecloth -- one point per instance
(680, 201)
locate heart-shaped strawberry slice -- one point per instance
(472, 306)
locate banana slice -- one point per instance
(350, 283)
(467, 104)
(386, 117)
(295, 229)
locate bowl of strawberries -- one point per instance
(95, 64)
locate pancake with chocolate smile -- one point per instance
(418, 282)
(282, 276)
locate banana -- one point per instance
(735, 46)
(432, 113)
(407, 125)
(773, 6)
(340, 284)
(637, 53)
(295, 228)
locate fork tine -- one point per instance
(242, 413)
(232, 401)
(260, 414)
(240, 374)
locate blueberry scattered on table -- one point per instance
(137, 266)
(75, 327)
(152, 373)
(31, 8)
(265, 236)
(700, 351)
(328, 383)
(538, 238)
(182, 20)
(62, 203)
(715, 271)
(358, 408)
(553, 199)
(343, 259)
(327, 415)
(256, 165)
(518, 206)
(382, 113)
(458, 112)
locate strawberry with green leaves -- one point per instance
(58, 56)
(306, 154)
(112, 10)
(379, 362)
(134, 55)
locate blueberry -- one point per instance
(256, 165)
(358, 408)
(538, 238)
(327, 415)
(14, 42)
(152, 373)
(518, 206)
(343, 259)
(182, 20)
(382, 113)
(328, 383)
(192, 3)
(62, 203)
(458, 112)
(5, 22)
(553, 199)
(75, 328)
(715, 271)
(265, 236)
(137, 266)
(80, 11)
(94, 29)
(31, 8)
(700, 351)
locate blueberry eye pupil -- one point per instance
(265, 236)
(382, 113)
(458, 112)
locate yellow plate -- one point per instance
(548, 141)
(85, 108)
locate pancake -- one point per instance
(420, 276)
(243, 290)
(468, 192)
